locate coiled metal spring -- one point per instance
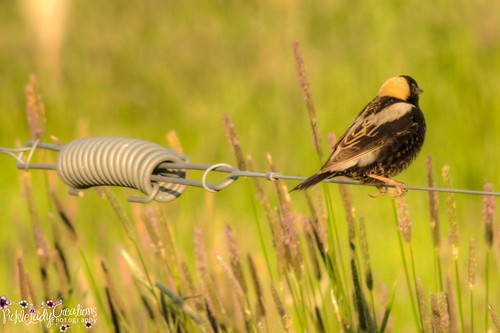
(116, 161)
(119, 161)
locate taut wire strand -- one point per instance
(156, 171)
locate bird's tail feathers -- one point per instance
(313, 180)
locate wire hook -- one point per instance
(216, 188)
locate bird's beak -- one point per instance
(420, 90)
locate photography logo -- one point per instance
(50, 313)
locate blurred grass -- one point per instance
(141, 69)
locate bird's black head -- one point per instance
(415, 90)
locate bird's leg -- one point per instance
(382, 189)
(398, 186)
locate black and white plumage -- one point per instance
(383, 140)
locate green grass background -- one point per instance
(143, 68)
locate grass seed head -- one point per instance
(433, 205)
(304, 86)
(35, 110)
(472, 264)
(488, 215)
(452, 213)
(404, 221)
(234, 142)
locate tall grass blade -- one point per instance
(95, 288)
(112, 310)
(472, 271)
(387, 311)
(240, 295)
(488, 219)
(22, 276)
(365, 321)
(453, 238)
(434, 219)
(60, 262)
(365, 255)
(260, 309)
(64, 216)
(120, 213)
(113, 295)
(404, 235)
(424, 309)
(212, 300)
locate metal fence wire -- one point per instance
(158, 172)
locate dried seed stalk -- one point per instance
(404, 221)
(235, 260)
(304, 85)
(35, 110)
(452, 215)
(174, 142)
(260, 308)
(472, 264)
(286, 319)
(234, 142)
(433, 205)
(365, 254)
(424, 310)
(488, 215)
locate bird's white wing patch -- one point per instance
(391, 113)
(368, 158)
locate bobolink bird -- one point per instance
(383, 140)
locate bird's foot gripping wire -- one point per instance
(397, 189)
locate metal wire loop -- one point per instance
(216, 188)
(30, 155)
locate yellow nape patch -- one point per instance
(395, 87)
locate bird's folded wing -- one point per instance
(364, 140)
